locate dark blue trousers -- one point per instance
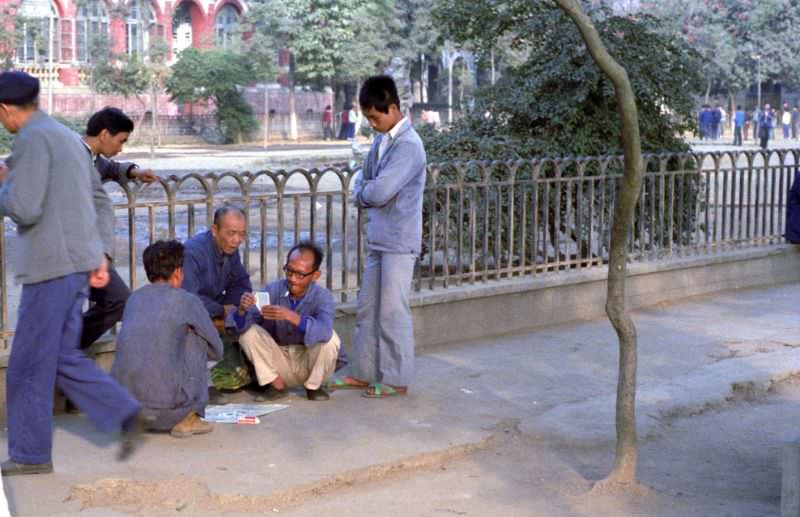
(45, 354)
(109, 304)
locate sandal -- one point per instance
(382, 391)
(341, 384)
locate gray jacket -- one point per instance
(391, 190)
(55, 197)
(111, 170)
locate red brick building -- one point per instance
(128, 25)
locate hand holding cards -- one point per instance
(262, 299)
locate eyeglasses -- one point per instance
(291, 272)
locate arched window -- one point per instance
(91, 27)
(181, 28)
(225, 25)
(34, 27)
(141, 19)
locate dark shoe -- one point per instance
(70, 407)
(216, 397)
(271, 393)
(132, 432)
(191, 424)
(317, 395)
(12, 468)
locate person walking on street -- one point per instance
(327, 123)
(765, 121)
(738, 124)
(51, 190)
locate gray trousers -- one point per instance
(383, 340)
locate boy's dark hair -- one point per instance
(114, 120)
(308, 246)
(379, 92)
(161, 259)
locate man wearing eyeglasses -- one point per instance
(290, 341)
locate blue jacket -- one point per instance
(391, 190)
(316, 309)
(163, 348)
(218, 279)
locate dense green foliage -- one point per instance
(215, 75)
(733, 36)
(556, 101)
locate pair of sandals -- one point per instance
(376, 390)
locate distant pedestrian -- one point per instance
(756, 115)
(716, 117)
(704, 121)
(352, 121)
(795, 122)
(786, 121)
(327, 123)
(343, 124)
(765, 124)
(738, 124)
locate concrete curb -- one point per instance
(703, 388)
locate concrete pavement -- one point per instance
(550, 390)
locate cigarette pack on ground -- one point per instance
(240, 413)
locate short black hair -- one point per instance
(308, 246)
(738, 107)
(161, 259)
(224, 210)
(379, 92)
(114, 120)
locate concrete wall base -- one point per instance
(482, 310)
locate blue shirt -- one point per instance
(218, 279)
(739, 118)
(316, 308)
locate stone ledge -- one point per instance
(516, 285)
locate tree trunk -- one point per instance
(708, 91)
(624, 471)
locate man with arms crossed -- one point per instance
(390, 189)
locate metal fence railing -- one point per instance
(483, 221)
